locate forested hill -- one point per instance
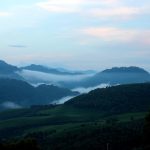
(118, 75)
(116, 99)
(9, 71)
(20, 93)
(55, 71)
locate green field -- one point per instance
(23, 121)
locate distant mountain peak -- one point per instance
(2, 62)
(7, 68)
(118, 75)
(56, 71)
(34, 66)
(8, 71)
(131, 69)
(40, 68)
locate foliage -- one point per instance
(24, 144)
(115, 100)
(24, 94)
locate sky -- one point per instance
(76, 34)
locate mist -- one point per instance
(40, 77)
(82, 90)
(10, 105)
(63, 100)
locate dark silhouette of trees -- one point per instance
(25, 144)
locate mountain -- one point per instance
(116, 99)
(125, 70)
(9, 71)
(16, 93)
(114, 76)
(6, 68)
(56, 71)
(36, 74)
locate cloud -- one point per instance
(112, 34)
(71, 6)
(63, 100)
(95, 8)
(119, 12)
(60, 6)
(50, 78)
(18, 46)
(10, 105)
(82, 90)
(109, 33)
(57, 9)
(5, 14)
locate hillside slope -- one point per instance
(9, 71)
(117, 99)
(20, 93)
(44, 69)
(122, 75)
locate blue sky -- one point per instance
(76, 34)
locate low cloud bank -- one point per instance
(82, 90)
(40, 77)
(10, 105)
(63, 100)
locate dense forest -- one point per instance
(115, 100)
(112, 135)
(23, 94)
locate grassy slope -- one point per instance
(62, 117)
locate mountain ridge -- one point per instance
(23, 94)
(115, 99)
(9, 71)
(118, 75)
(41, 68)
(113, 76)
(131, 69)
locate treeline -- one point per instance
(23, 94)
(115, 100)
(24, 144)
(134, 135)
